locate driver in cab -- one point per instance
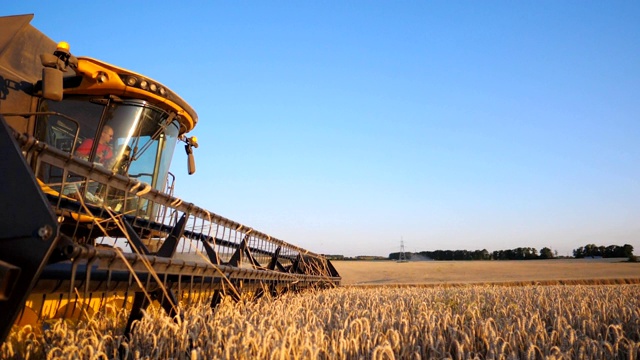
(104, 153)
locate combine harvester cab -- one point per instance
(88, 217)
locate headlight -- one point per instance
(131, 80)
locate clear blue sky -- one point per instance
(346, 126)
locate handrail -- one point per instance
(142, 191)
(55, 113)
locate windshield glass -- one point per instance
(129, 137)
(145, 148)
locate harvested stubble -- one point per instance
(487, 322)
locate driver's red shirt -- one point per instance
(103, 153)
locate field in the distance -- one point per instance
(456, 272)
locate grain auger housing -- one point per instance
(88, 218)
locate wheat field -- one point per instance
(472, 321)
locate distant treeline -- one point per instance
(611, 251)
(521, 253)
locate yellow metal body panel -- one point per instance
(100, 78)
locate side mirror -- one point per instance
(191, 160)
(190, 142)
(52, 88)
(54, 67)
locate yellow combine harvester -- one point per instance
(88, 218)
